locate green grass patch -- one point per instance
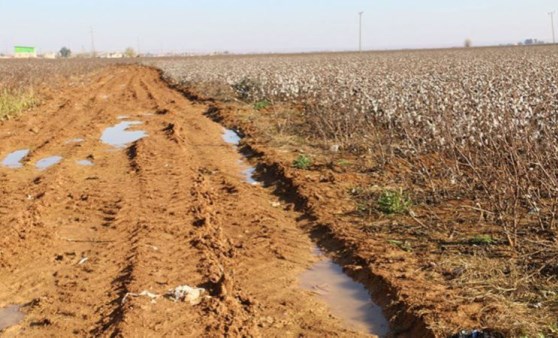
(12, 103)
(393, 202)
(403, 245)
(260, 105)
(302, 162)
(482, 240)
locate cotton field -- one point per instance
(479, 124)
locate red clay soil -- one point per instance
(171, 209)
(417, 301)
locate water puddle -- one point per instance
(231, 137)
(13, 160)
(119, 137)
(249, 176)
(48, 162)
(10, 316)
(85, 163)
(347, 299)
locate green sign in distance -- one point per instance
(22, 49)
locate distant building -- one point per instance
(115, 55)
(25, 52)
(49, 55)
(111, 55)
(530, 42)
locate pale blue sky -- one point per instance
(269, 25)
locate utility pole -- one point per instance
(92, 43)
(360, 31)
(552, 23)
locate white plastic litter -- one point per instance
(334, 148)
(145, 293)
(186, 293)
(183, 293)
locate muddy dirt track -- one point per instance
(170, 209)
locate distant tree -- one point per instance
(65, 52)
(468, 43)
(130, 52)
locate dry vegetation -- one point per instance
(470, 136)
(22, 81)
(12, 102)
(459, 148)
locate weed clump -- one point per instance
(302, 162)
(403, 245)
(12, 103)
(482, 240)
(260, 105)
(393, 202)
(244, 88)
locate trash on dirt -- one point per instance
(231, 137)
(478, 334)
(13, 160)
(48, 162)
(122, 117)
(83, 260)
(118, 136)
(183, 293)
(275, 204)
(152, 296)
(85, 163)
(10, 316)
(347, 299)
(186, 293)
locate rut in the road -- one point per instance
(171, 209)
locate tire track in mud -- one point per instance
(64, 279)
(172, 209)
(77, 286)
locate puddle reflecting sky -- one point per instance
(13, 160)
(10, 316)
(231, 137)
(48, 162)
(347, 299)
(249, 175)
(119, 137)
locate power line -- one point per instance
(360, 31)
(552, 23)
(92, 43)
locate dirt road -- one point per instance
(170, 209)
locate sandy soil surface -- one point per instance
(170, 209)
